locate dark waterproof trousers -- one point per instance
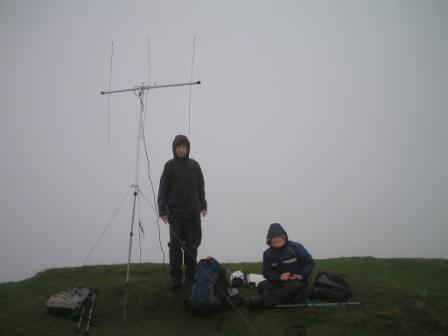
(274, 293)
(185, 238)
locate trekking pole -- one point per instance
(89, 319)
(320, 304)
(78, 326)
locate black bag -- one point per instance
(331, 287)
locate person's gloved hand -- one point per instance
(165, 218)
(296, 277)
(204, 212)
(285, 276)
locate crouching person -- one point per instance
(286, 267)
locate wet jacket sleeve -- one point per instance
(162, 195)
(306, 259)
(268, 272)
(201, 189)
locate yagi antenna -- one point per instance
(139, 91)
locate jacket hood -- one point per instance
(181, 139)
(275, 230)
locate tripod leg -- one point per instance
(125, 301)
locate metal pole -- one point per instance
(125, 302)
(136, 191)
(319, 304)
(139, 135)
(150, 87)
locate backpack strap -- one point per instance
(295, 257)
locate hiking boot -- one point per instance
(176, 283)
(255, 302)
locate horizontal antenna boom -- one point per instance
(150, 87)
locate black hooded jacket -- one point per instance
(181, 189)
(292, 257)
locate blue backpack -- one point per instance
(210, 291)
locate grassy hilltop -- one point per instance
(403, 297)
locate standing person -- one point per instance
(286, 267)
(181, 201)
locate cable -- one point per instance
(149, 202)
(253, 330)
(172, 233)
(154, 198)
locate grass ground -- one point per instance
(403, 297)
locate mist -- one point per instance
(327, 117)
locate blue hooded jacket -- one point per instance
(292, 257)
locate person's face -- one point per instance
(278, 242)
(181, 150)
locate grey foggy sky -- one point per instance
(329, 117)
